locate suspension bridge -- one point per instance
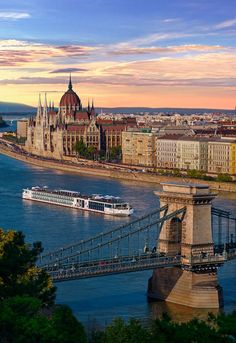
(156, 240)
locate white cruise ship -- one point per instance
(96, 203)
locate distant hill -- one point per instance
(15, 108)
(162, 109)
(10, 108)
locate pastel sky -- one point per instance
(176, 53)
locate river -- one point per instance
(97, 300)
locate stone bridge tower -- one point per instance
(189, 235)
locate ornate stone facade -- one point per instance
(54, 133)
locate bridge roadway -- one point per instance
(127, 264)
(124, 250)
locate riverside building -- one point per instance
(208, 155)
(54, 133)
(222, 156)
(138, 147)
(22, 128)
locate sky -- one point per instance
(152, 53)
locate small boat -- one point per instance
(106, 204)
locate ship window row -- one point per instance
(93, 205)
(61, 201)
(52, 196)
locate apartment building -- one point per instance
(139, 148)
(222, 156)
(192, 153)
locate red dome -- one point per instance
(70, 98)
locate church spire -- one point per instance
(45, 111)
(88, 106)
(39, 111)
(70, 84)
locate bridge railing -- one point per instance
(199, 259)
(106, 267)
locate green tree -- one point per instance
(83, 151)
(24, 320)
(197, 174)
(195, 331)
(18, 272)
(115, 153)
(224, 178)
(90, 152)
(120, 332)
(80, 148)
(226, 325)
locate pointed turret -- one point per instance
(39, 110)
(93, 112)
(45, 112)
(70, 84)
(89, 106)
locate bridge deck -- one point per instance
(127, 265)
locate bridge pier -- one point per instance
(195, 283)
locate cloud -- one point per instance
(202, 70)
(153, 38)
(76, 50)
(14, 15)
(226, 24)
(165, 50)
(170, 20)
(18, 53)
(67, 70)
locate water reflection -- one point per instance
(179, 313)
(103, 298)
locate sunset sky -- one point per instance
(179, 53)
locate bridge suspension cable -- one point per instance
(223, 230)
(68, 250)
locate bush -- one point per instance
(224, 178)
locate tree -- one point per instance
(90, 152)
(80, 148)
(18, 272)
(224, 178)
(24, 320)
(83, 151)
(197, 174)
(115, 153)
(120, 332)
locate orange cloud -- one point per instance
(185, 75)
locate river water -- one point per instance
(97, 300)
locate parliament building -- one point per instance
(54, 133)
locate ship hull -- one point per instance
(74, 205)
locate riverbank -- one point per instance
(109, 171)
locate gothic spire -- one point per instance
(39, 111)
(88, 105)
(70, 84)
(45, 111)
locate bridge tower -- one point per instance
(194, 284)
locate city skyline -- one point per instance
(138, 53)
